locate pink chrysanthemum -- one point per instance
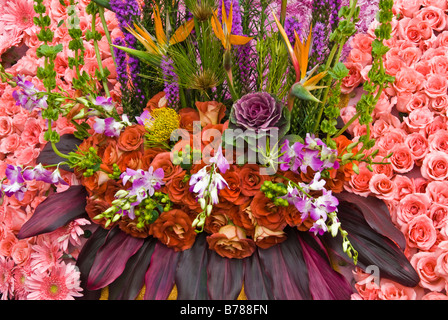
(18, 14)
(45, 254)
(6, 278)
(21, 274)
(71, 233)
(61, 282)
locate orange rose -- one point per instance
(187, 117)
(243, 218)
(131, 138)
(266, 238)
(131, 160)
(158, 101)
(95, 207)
(176, 187)
(232, 193)
(231, 242)
(251, 179)
(163, 160)
(217, 219)
(210, 112)
(173, 228)
(111, 153)
(266, 213)
(129, 226)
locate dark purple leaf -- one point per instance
(56, 211)
(191, 273)
(85, 261)
(111, 259)
(286, 268)
(66, 144)
(256, 285)
(374, 249)
(325, 283)
(376, 213)
(129, 284)
(225, 277)
(159, 279)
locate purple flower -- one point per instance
(145, 119)
(170, 80)
(27, 95)
(16, 181)
(220, 161)
(203, 182)
(257, 111)
(109, 127)
(56, 177)
(319, 227)
(107, 104)
(38, 173)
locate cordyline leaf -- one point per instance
(191, 273)
(374, 249)
(111, 259)
(377, 215)
(159, 279)
(56, 211)
(225, 277)
(85, 261)
(256, 284)
(129, 284)
(286, 269)
(66, 144)
(325, 282)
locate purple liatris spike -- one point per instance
(170, 80)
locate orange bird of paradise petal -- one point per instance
(223, 31)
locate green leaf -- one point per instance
(339, 71)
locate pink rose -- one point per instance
(439, 104)
(385, 168)
(435, 166)
(437, 191)
(7, 243)
(382, 187)
(362, 42)
(408, 80)
(6, 127)
(417, 30)
(438, 213)
(404, 185)
(424, 67)
(435, 296)
(353, 79)
(357, 56)
(418, 145)
(32, 131)
(21, 251)
(439, 65)
(434, 16)
(441, 4)
(418, 119)
(435, 85)
(439, 123)
(401, 159)
(407, 7)
(390, 290)
(10, 143)
(420, 233)
(425, 263)
(410, 55)
(410, 206)
(439, 141)
(390, 139)
(359, 183)
(393, 65)
(418, 100)
(442, 39)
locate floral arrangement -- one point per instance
(222, 138)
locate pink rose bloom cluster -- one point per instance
(410, 120)
(40, 267)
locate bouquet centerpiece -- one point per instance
(222, 160)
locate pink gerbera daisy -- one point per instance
(6, 278)
(45, 254)
(71, 233)
(21, 274)
(18, 14)
(61, 282)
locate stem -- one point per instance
(53, 145)
(283, 12)
(98, 58)
(356, 116)
(106, 32)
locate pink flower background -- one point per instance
(410, 120)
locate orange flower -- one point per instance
(251, 179)
(173, 228)
(266, 238)
(187, 117)
(157, 101)
(131, 138)
(210, 112)
(231, 242)
(163, 160)
(266, 213)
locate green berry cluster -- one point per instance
(88, 161)
(116, 172)
(149, 209)
(187, 157)
(275, 192)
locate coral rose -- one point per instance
(401, 159)
(157, 101)
(390, 290)
(266, 213)
(420, 233)
(251, 179)
(359, 183)
(425, 264)
(437, 191)
(412, 205)
(173, 228)
(435, 166)
(353, 79)
(210, 112)
(131, 138)
(163, 160)
(266, 238)
(382, 186)
(231, 242)
(187, 118)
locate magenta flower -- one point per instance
(16, 181)
(108, 127)
(27, 95)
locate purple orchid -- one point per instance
(107, 104)
(108, 127)
(16, 184)
(38, 173)
(220, 161)
(27, 96)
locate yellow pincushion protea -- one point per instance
(162, 123)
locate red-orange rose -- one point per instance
(131, 160)
(131, 138)
(266, 213)
(129, 226)
(251, 179)
(163, 160)
(95, 207)
(176, 187)
(157, 101)
(266, 238)
(173, 228)
(231, 242)
(187, 117)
